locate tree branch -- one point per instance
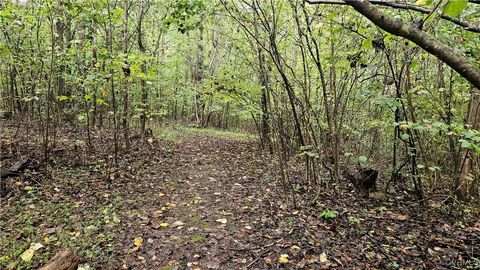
(430, 44)
(466, 26)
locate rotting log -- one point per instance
(16, 168)
(12, 171)
(63, 260)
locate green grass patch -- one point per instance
(167, 134)
(219, 133)
(197, 238)
(173, 134)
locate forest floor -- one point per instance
(209, 201)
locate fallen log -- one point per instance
(16, 168)
(63, 260)
(364, 178)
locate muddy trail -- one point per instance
(209, 202)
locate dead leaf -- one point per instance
(295, 247)
(177, 223)
(222, 220)
(157, 213)
(27, 255)
(398, 216)
(323, 257)
(36, 246)
(138, 241)
(283, 258)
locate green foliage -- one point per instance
(353, 221)
(200, 64)
(219, 133)
(328, 214)
(185, 14)
(454, 8)
(362, 159)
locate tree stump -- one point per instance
(63, 260)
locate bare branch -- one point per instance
(466, 26)
(430, 44)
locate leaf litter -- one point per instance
(217, 203)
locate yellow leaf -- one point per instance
(36, 246)
(138, 241)
(46, 240)
(323, 257)
(27, 255)
(75, 234)
(28, 188)
(161, 194)
(295, 247)
(283, 258)
(421, 2)
(164, 225)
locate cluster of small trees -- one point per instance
(337, 82)
(350, 91)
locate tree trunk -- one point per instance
(264, 82)
(126, 72)
(469, 160)
(143, 83)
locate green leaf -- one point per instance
(362, 159)
(423, 2)
(466, 144)
(62, 98)
(455, 7)
(101, 102)
(6, 14)
(328, 214)
(367, 44)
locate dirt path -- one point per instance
(210, 199)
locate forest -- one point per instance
(239, 134)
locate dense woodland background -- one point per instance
(313, 80)
(329, 93)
